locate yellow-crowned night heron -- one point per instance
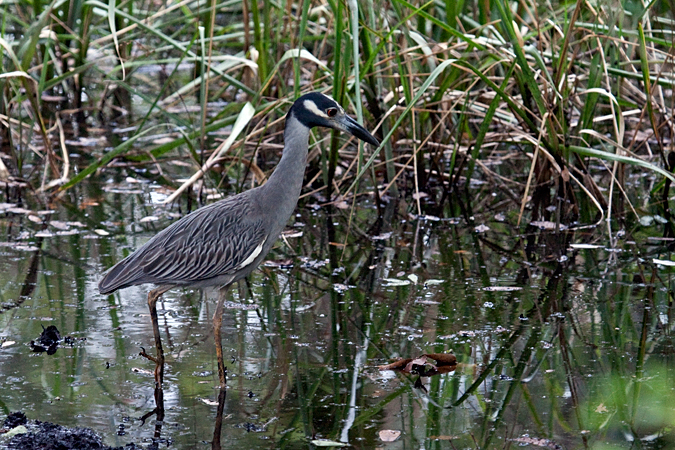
(224, 242)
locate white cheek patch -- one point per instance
(311, 106)
(253, 255)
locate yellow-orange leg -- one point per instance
(153, 296)
(217, 323)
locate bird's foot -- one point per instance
(159, 367)
(144, 354)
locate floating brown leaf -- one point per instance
(445, 362)
(396, 365)
(440, 370)
(443, 359)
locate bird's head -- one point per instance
(319, 110)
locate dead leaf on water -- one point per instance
(482, 228)
(601, 408)
(443, 359)
(396, 365)
(389, 435)
(445, 362)
(16, 210)
(59, 225)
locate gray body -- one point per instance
(223, 242)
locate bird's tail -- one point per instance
(117, 277)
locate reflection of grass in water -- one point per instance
(307, 334)
(610, 410)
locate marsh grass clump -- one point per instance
(552, 105)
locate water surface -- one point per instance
(563, 337)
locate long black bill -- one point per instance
(357, 130)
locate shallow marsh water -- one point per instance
(562, 340)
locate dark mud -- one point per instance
(50, 436)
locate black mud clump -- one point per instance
(14, 420)
(49, 436)
(48, 341)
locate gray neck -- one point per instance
(282, 190)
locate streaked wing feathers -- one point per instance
(209, 242)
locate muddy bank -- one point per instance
(33, 434)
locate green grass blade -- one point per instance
(585, 151)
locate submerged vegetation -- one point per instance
(516, 214)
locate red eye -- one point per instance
(331, 112)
